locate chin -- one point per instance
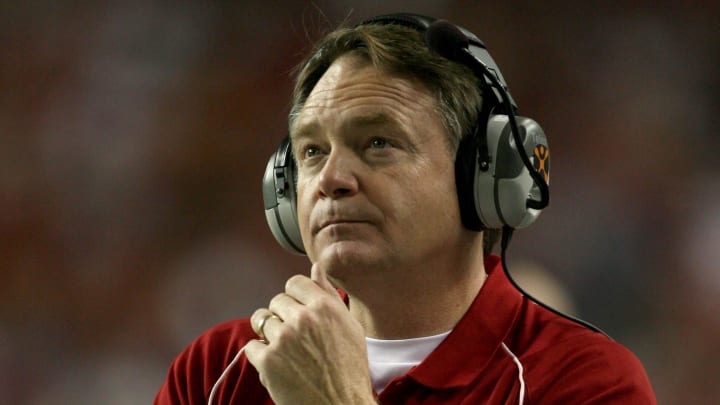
(343, 259)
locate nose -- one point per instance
(337, 179)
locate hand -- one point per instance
(315, 351)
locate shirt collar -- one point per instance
(484, 326)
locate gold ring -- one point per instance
(261, 325)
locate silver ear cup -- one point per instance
(281, 201)
(501, 193)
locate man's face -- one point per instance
(376, 181)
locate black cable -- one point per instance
(507, 233)
(537, 177)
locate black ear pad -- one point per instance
(466, 165)
(280, 198)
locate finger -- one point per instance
(255, 351)
(285, 306)
(271, 328)
(318, 274)
(261, 322)
(307, 292)
(256, 320)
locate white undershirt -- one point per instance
(392, 358)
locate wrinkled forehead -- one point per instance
(353, 85)
(353, 91)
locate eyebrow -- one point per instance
(371, 119)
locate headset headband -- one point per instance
(477, 47)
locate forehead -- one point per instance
(352, 87)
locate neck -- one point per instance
(420, 300)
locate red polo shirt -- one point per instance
(504, 345)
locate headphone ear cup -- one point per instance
(502, 192)
(280, 198)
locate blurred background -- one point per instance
(134, 136)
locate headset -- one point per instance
(499, 184)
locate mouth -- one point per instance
(332, 223)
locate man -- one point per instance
(425, 313)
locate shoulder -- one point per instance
(234, 333)
(214, 347)
(586, 367)
(198, 366)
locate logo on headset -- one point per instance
(542, 161)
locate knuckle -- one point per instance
(304, 319)
(323, 304)
(256, 316)
(293, 282)
(276, 299)
(283, 336)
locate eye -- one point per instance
(379, 143)
(310, 151)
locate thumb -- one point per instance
(318, 274)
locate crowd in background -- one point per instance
(134, 136)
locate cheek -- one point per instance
(422, 200)
(304, 207)
(435, 196)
